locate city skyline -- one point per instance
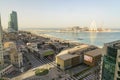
(63, 13)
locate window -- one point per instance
(119, 65)
(118, 73)
(118, 78)
(112, 52)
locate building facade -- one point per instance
(16, 57)
(1, 45)
(83, 62)
(70, 57)
(111, 61)
(93, 57)
(13, 23)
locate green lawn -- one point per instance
(48, 53)
(41, 72)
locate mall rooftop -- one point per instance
(76, 51)
(94, 53)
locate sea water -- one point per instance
(92, 38)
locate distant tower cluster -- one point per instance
(1, 45)
(13, 23)
(93, 26)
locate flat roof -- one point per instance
(114, 44)
(72, 50)
(8, 44)
(67, 56)
(75, 51)
(94, 53)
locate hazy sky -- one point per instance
(62, 13)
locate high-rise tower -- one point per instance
(1, 44)
(13, 23)
(111, 61)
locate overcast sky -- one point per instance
(61, 13)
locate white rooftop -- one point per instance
(67, 54)
(72, 50)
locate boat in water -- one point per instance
(79, 39)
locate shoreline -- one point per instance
(56, 38)
(63, 40)
(43, 30)
(59, 39)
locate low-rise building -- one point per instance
(67, 60)
(86, 57)
(93, 58)
(32, 47)
(42, 52)
(6, 69)
(89, 55)
(70, 57)
(46, 53)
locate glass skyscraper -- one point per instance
(1, 44)
(13, 23)
(111, 61)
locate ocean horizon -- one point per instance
(91, 38)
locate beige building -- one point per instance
(16, 57)
(67, 61)
(70, 57)
(87, 54)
